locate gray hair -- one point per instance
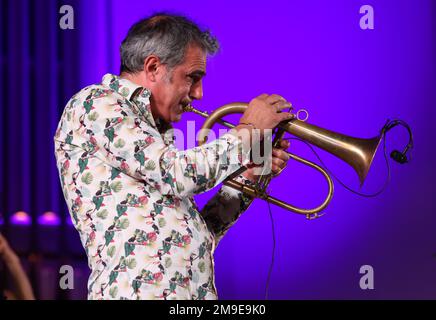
(165, 35)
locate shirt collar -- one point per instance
(124, 87)
(132, 92)
(136, 93)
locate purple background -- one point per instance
(314, 54)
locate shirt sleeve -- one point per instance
(225, 208)
(128, 143)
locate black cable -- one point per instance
(388, 126)
(273, 251)
(371, 195)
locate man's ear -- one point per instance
(152, 68)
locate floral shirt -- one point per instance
(130, 195)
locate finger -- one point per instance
(284, 116)
(274, 98)
(281, 105)
(279, 153)
(284, 144)
(278, 163)
(276, 170)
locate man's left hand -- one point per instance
(279, 160)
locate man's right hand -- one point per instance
(263, 112)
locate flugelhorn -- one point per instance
(357, 152)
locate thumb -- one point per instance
(285, 116)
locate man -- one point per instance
(130, 191)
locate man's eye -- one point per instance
(193, 79)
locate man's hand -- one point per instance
(263, 112)
(278, 163)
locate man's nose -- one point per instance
(197, 91)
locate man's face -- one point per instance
(179, 86)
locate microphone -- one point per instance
(399, 157)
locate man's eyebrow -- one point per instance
(198, 73)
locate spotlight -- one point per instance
(21, 218)
(49, 219)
